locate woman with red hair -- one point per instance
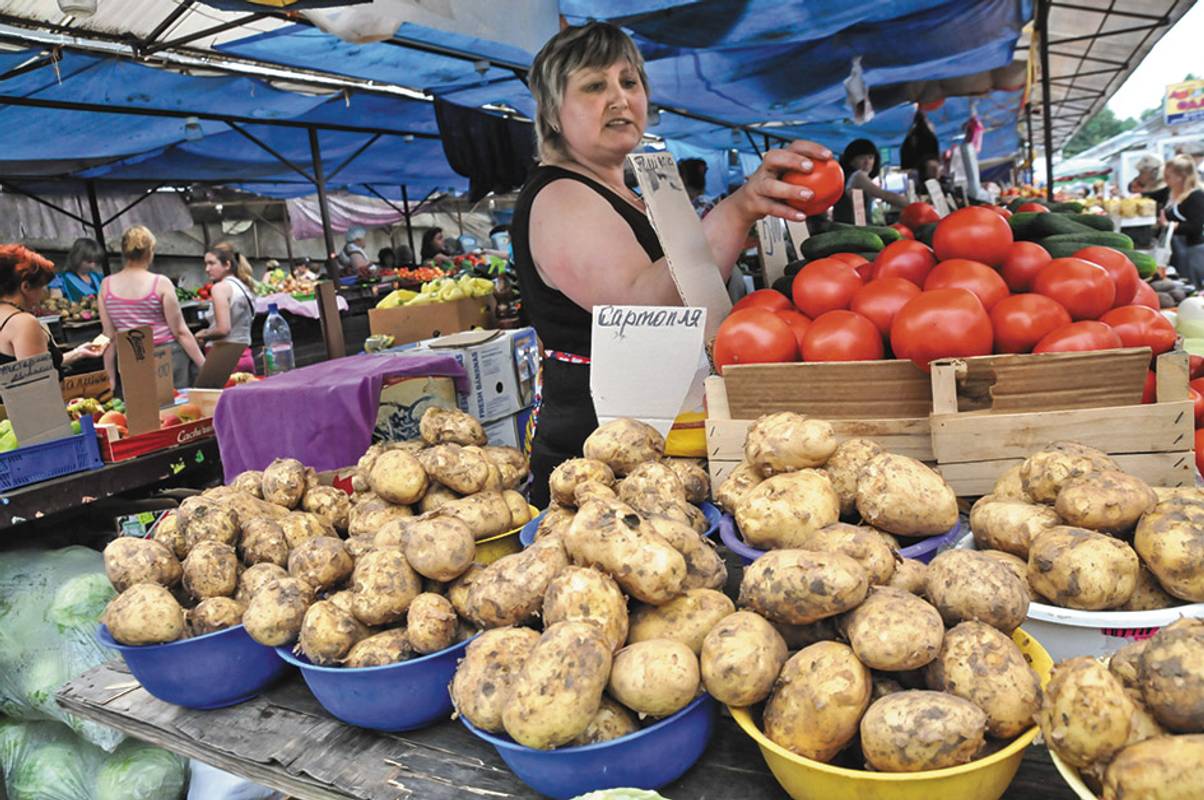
(24, 276)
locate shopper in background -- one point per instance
(693, 173)
(82, 275)
(582, 238)
(24, 278)
(135, 296)
(861, 163)
(386, 259)
(434, 248)
(232, 299)
(1185, 208)
(302, 270)
(354, 258)
(1149, 176)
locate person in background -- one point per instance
(233, 301)
(135, 296)
(302, 270)
(1185, 207)
(385, 259)
(693, 173)
(354, 258)
(24, 278)
(434, 248)
(82, 275)
(1149, 176)
(404, 255)
(861, 163)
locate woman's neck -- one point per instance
(12, 300)
(609, 172)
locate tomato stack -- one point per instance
(974, 292)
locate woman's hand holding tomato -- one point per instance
(826, 182)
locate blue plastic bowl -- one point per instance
(216, 670)
(709, 510)
(925, 550)
(647, 759)
(395, 697)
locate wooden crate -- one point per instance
(990, 413)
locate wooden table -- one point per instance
(285, 740)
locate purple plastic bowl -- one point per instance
(924, 551)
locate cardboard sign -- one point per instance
(33, 400)
(88, 384)
(647, 362)
(798, 234)
(136, 363)
(858, 208)
(165, 389)
(911, 190)
(220, 361)
(938, 197)
(690, 261)
(771, 247)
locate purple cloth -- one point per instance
(322, 415)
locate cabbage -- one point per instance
(81, 600)
(50, 772)
(138, 771)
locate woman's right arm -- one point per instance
(220, 300)
(179, 328)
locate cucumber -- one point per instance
(1072, 207)
(1099, 222)
(868, 256)
(885, 233)
(783, 285)
(1019, 201)
(1056, 224)
(924, 233)
(1105, 238)
(1024, 225)
(845, 240)
(1145, 263)
(793, 268)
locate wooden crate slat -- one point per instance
(975, 478)
(845, 390)
(908, 437)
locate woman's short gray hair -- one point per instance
(1148, 162)
(596, 44)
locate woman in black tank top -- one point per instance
(581, 238)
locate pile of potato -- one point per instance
(361, 580)
(1134, 728)
(1086, 535)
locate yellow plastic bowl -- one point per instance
(493, 548)
(984, 779)
(1072, 778)
(688, 436)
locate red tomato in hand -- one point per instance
(961, 273)
(771, 299)
(974, 233)
(1079, 337)
(943, 323)
(1149, 392)
(754, 336)
(1138, 326)
(1084, 289)
(842, 336)
(914, 215)
(1022, 320)
(903, 230)
(905, 259)
(799, 323)
(825, 180)
(1025, 208)
(1119, 267)
(826, 284)
(1146, 296)
(880, 299)
(1024, 261)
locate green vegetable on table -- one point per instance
(8, 439)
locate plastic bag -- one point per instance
(46, 761)
(50, 605)
(210, 782)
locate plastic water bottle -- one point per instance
(277, 343)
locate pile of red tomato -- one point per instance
(974, 292)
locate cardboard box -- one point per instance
(403, 401)
(143, 443)
(501, 367)
(509, 431)
(88, 384)
(408, 324)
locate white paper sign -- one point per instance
(771, 246)
(859, 208)
(911, 190)
(938, 197)
(690, 260)
(647, 362)
(33, 399)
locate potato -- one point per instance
(1149, 594)
(460, 470)
(910, 575)
(611, 537)
(741, 480)
(397, 477)
(169, 534)
(652, 484)
(1170, 540)
(568, 475)
(694, 478)
(255, 578)
(486, 514)
(370, 515)
(1189, 493)
(520, 509)
(1125, 663)
(913, 731)
(1018, 567)
(443, 426)
(686, 619)
(263, 542)
(284, 482)
(1078, 568)
(145, 613)
(202, 520)
(493, 475)
(436, 497)
(440, 548)
(817, 701)
(301, 526)
(323, 562)
(983, 665)
(250, 482)
(129, 560)
(894, 630)
(511, 589)
(741, 657)
(246, 506)
(1143, 724)
(785, 510)
(556, 521)
(705, 568)
(214, 614)
(1171, 674)
(799, 636)
(901, 495)
(1009, 525)
(515, 459)
(1163, 768)
(843, 468)
(557, 691)
(1085, 715)
(383, 586)
(457, 590)
(966, 585)
(329, 503)
(797, 587)
(1009, 486)
(786, 442)
(328, 633)
(393, 533)
(275, 613)
(358, 546)
(431, 623)
(866, 546)
(387, 647)
(1107, 501)
(624, 444)
(585, 594)
(211, 570)
(1044, 472)
(612, 721)
(481, 686)
(656, 677)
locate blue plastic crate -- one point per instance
(41, 462)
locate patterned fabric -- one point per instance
(146, 310)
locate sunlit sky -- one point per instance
(1177, 53)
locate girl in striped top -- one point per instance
(136, 296)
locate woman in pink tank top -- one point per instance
(136, 296)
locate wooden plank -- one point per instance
(831, 391)
(332, 322)
(976, 478)
(908, 437)
(979, 436)
(1173, 374)
(719, 472)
